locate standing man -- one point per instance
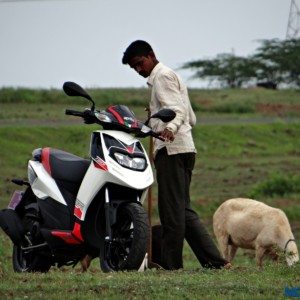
(174, 161)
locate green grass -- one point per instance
(243, 283)
(136, 96)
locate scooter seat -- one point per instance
(64, 166)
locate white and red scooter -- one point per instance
(73, 207)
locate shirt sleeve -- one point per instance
(169, 96)
(192, 116)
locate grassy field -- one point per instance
(18, 105)
(241, 283)
(248, 144)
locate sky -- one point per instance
(44, 43)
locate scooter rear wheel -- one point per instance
(130, 236)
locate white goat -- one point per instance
(251, 224)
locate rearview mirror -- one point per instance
(165, 115)
(74, 89)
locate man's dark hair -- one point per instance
(136, 48)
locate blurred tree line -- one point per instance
(274, 62)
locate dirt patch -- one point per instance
(232, 181)
(202, 202)
(277, 109)
(207, 103)
(245, 165)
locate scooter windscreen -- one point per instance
(122, 118)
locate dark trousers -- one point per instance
(179, 221)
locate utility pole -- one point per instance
(293, 28)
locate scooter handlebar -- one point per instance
(156, 135)
(87, 116)
(74, 113)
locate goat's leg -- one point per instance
(232, 252)
(223, 245)
(273, 254)
(260, 252)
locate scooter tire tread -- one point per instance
(38, 264)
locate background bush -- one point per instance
(277, 185)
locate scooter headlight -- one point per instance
(134, 163)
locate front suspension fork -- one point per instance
(108, 236)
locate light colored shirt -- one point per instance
(169, 91)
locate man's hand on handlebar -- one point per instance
(167, 134)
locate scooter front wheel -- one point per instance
(130, 236)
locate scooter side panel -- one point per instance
(44, 185)
(55, 215)
(92, 182)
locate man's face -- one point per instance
(143, 64)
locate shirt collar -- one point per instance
(153, 73)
